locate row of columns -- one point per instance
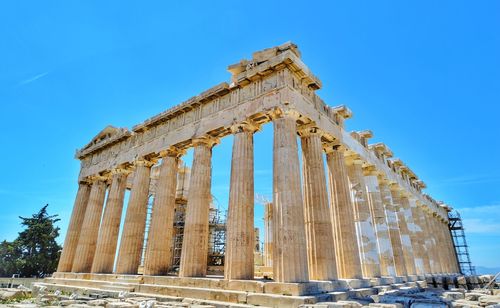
(367, 227)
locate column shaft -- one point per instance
(387, 267)
(290, 255)
(132, 240)
(319, 236)
(239, 258)
(342, 211)
(417, 214)
(414, 231)
(392, 224)
(432, 244)
(74, 228)
(404, 232)
(442, 262)
(158, 256)
(367, 240)
(195, 240)
(90, 228)
(110, 227)
(268, 242)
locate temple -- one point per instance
(360, 220)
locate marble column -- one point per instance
(290, 255)
(403, 230)
(74, 228)
(132, 240)
(240, 234)
(386, 256)
(429, 241)
(370, 262)
(90, 227)
(414, 234)
(417, 214)
(107, 240)
(342, 215)
(268, 229)
(393, 226)
(319, 232)
(158, 256)
(450, 249)
(195, 240)
(442, 262)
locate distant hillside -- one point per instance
(481, 270)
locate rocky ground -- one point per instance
(410, 297)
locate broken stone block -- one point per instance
(450, 295)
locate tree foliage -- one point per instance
(35, 251)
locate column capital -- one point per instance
(245, 126)
(353, 158)
(332, 146)
(309, 130)
(206, 140)
(98, 178)
(282, 113)
(172, 151)
(121, 170)
(395, 187)
(143, 162)
(383, 179)
(370, 170)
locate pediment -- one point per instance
(109, 134)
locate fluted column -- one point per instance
(158, 256)
(107, 240)
(441, 257)
(342, 215)
(290, 255)
(418, 217)
(432, 244)
(74, 228)
(268, 242)
(414, 230)
(132, 240)
(90, 227)
(319, 232)
(428, 240)
(403, 230)
(450, 249)
(387, 267)
(195, 240)
(393, 225)
(370, 262)
(240, 236)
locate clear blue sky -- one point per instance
(423, 75)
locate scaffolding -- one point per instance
(460, 243)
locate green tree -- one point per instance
(8, 259)
(35, 252)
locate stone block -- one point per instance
(356, 283)
(462, 303)
(452, 295)
(487, 300)
(428, 304)
(338, 296)
(274, 300)
(340, 304)
(296, 289)
(381, 305)
(363, 292)
(473, 296)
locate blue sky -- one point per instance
(423, 75)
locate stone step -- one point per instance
(362, 292)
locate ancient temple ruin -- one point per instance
(364, 218)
